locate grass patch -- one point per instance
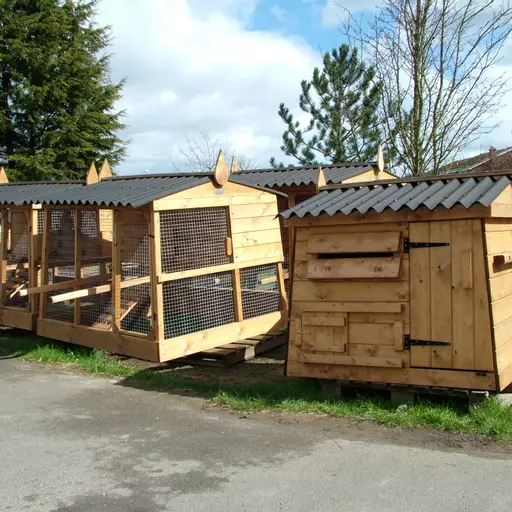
(489, 418)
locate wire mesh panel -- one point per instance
(198, 303)
(135, 264)
(260, 290)
(96, 260)
(193, 238)
(17, 260)
(61, 261)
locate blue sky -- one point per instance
(222, 66)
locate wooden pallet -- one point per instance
(233, 353)
(404, 393)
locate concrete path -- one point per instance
(77, 443)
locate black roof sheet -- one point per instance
(306, 175)
(120, 191)
(396, 195)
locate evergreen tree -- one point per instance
(342, 101)
(56, 98)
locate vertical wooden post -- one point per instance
(157, 293)
(45, 257)
(3, 250)
(32, 258)
(78, 260)
(291, 239)
(237, 295)
(282, 289)
(116, 271)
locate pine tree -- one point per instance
(342, 101)
(56, 98)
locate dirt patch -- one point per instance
(268, 367)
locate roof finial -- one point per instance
(234, 165)
(380, 159)
(320, 179)
(3, 176)
(105, 171)
(221, 172)
(92, 175)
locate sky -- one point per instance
(224, 66)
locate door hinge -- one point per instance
(418, 245)
(408, 343)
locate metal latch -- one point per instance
(418, 245)
(408, 343)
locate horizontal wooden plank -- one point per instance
(367, 242)
(252, 224)
(408, 376)
(257, 238)
(324, 319)
(18, 319)
(503, 332)
(502, 259)
(498, 225)
(336, 358)
(304, 233)
(212, 202)
(504, 356)
(132, 346)
(258, 252)
(371, 334)
(373, 350)
(197, 342)
(353, 268)
(498, 269)
(500, 286)
(502, 309)
(344, 307)
(174, 276)
(498, 242)
(65, 284)
(375, 318)
(250, 211)
(346, 291)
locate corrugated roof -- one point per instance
(397, 195)
(120, 191)
(306, 175)
(467, 164)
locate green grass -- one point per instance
(287, 396)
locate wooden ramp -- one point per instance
(233, 353)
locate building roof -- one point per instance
(467, 164)
(430, 192)
(111, 192)
(305, 175)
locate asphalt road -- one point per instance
(76, 443)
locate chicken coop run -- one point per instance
(405, 282)
(157, 267)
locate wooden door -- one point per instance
(450, 325)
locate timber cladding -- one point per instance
(418, 297)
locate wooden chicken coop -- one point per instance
(405, 282)
(158, 266)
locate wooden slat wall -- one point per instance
(376, 307)
(498, 238)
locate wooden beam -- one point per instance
(92, 175)
(3, 247)
(237, 295)
(157, 292)
(78, 262)
(3, 176)
(234, 166)
(45, 256)
(105, 170)
(116, 271)
(380, 159)
(66, 284)
(282, 288)
(32, 257)
(221, 172)
(320, 180)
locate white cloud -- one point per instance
(194, 64)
